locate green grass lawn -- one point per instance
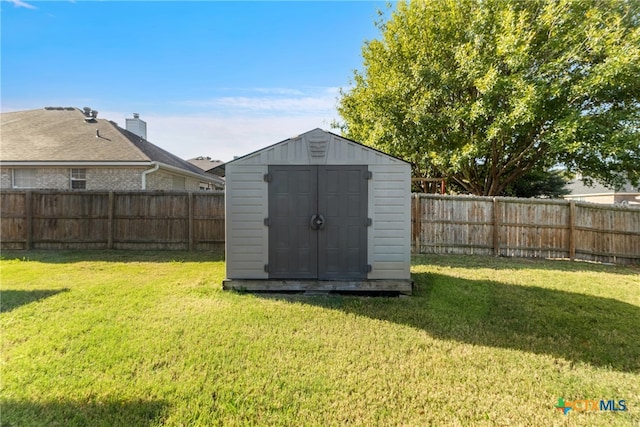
(149, 338)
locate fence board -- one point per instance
(119, 220)
(525, 228)
(534, 230)
(452, 225)
(440, 224)
(208, 222)
(13, 223)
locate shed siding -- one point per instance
(389, 203)
(389, 237)
(246, 208)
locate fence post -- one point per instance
(417, 222)
(190, 221)
(496, 228)
(413, 222)
(28, 204)
(110, 210)
(572, 230)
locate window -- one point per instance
(24, 178)
(78, 179)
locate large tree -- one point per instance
(483, 91)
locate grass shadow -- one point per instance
(113, 255)
(137, 413)
(580, 328)
(11, 299)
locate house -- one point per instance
(318, 212)
(65, 148)
(598, 193)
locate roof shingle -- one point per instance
(66, 134)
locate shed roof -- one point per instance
(318, 143)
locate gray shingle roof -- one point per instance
(64, 134)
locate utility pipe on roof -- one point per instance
(148, 171)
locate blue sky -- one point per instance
(220, 79)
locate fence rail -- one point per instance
(525, 228)
(440, 224)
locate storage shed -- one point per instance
(318, 213)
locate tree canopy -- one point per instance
(484, 91)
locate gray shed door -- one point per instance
(318, 222)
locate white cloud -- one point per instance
(230, 126)
(221, 137)
(20, 3)
(278, 91)
(280, 100)
(298, 105)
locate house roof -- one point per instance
(57, 134)
(577, 187)
(205, 163)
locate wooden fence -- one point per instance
(111, 220)
(525, 228)
(441, 224)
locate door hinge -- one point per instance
(369, 222)
(369, 175)
(266, 268)
(267, 222)
(368, 268)
(267, 177)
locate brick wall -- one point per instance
(162, 180)
(96, 178)
(49, 178)
(113, 179)
(5, 178)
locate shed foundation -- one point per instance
(401, 286)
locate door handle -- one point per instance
(317, 221)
